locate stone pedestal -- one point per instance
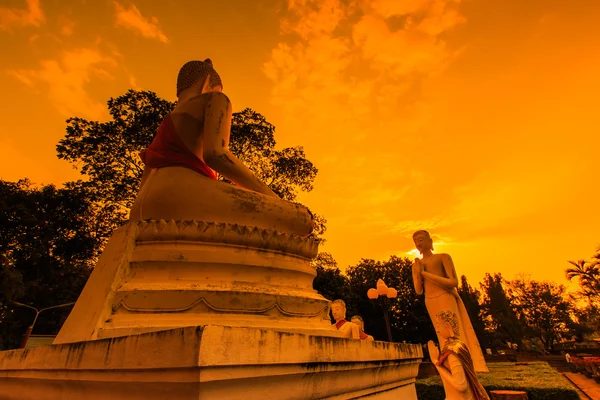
(157, 275)
(212, 362)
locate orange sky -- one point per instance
(475, 119)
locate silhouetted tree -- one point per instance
(329, 282)
(501, 319)
(472, 300)
(49, 240)
(588, 275)
(545, 309)
(408, 316)
(587, 320)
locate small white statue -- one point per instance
(358, 320)
(349, 329)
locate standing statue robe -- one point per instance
(459, 349)
(450, 300)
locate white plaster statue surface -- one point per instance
(435, 276)
(454, 363)
(348, 329)
(179, 179)
(357, 319)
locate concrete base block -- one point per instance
(212, 362)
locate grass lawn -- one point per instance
(538, 379)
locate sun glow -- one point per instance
(360, 89)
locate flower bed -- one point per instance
(589, 366)
(538, 379)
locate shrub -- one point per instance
(538, 379)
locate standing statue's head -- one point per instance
(423, 241)
(358, 320)
(338, 309)
(446, 325)
(199, 75)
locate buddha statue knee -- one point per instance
(191, 146)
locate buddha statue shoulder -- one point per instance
(191, 147)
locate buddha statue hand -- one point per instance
(434, 352)
(417, 266)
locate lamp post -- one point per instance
(37, 313)
(383, 293)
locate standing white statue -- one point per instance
(435, 275)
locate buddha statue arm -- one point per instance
(145, 175)
(355, 331)
(456, 376)
(417, 270)
(217, 128)
(448, 283)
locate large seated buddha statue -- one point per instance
(199, 251)
(191, 147)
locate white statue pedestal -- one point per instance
(212, 362)
(159, 275)
(196, 310)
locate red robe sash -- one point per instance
(168, 150)
(339, 324)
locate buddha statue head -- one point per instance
(446, 324)
(423, 241)
(338, 309)
(196, 77)
(358, 320)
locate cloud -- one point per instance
(131, 18)
(67, 26)
(358, 69)
(32, 15)
(366, 56)
(66, 79)
(350, 77)
(511, 200)
(407, 228)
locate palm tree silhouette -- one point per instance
(588, 273)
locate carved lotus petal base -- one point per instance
(224, 233)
